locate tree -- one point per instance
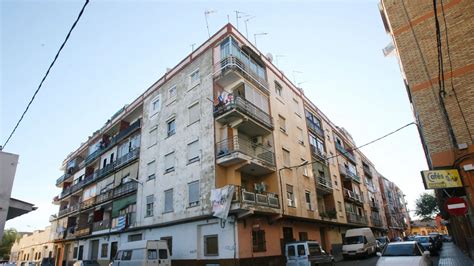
(426, 206)
(9, 237)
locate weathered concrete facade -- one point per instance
(33, 247)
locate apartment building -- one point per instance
(430, 42)
(33, 247)
(396, 212)
(225, 116)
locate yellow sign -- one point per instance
(441, 179)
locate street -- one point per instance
(371, 261)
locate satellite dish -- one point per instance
(270, 57)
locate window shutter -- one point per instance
(193, 192)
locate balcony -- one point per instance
(82, 231)
(316, 129)
(120, 136)
(62, 178)
(367, 170)
(251, 119)
(233, 67)
(101, 225)
(318, 154)
(352, 196)
(346, 153)
(348, 174)
(376, 222)
(68, 210)
(356, 218)
(255, 201)
(374, 205)
(125, 189)
(88, 203)
(257, 159)
(324, 185)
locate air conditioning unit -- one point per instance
(257, 140)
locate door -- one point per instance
(322, 232)
(113, 250)
(94, 249)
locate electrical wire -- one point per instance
(46, 74)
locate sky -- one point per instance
(332, 49)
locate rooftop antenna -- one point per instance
(258, 34)
(277, 56)
(246, 29)
(192, 47)
(206, 14)
(237, 16)
(294, 75)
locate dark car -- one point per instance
(438, 241)
(383, 241)
(396, 239)
(428, 244)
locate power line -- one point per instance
(47, 72)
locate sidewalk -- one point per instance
(451, 256)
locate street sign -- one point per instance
(456, 206)
(437, 179)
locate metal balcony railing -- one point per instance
(125, 189)
(315, 128)
(232, 62)
(346, 153)
(101, 225)
(68, 210)
(376, 221)
(353, 196)
(236, 144)
(356, 218)
(82, 231)
(346, 172)
(88, 203)
(256, 198)
(324, 183)
(315, 152)
(240, 104)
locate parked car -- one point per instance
(28, 263)
(144, 253)
(359, 242)
(396, 239)
(438, 241)
(446, 238)
(307, 253)
(427, 243)
(47, 262)
(86, 263)
(408, 253)
(383, 241)
(410, 238)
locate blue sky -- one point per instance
(119, 48)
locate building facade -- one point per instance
(33, 247)
(430, 41)
(225, 116)
(396, 212)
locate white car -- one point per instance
(404, 253)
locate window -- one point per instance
(296, 107)
(303, 236)
(193, 193)
(127, 255)
(278, 88)
(169, 200)
(80, 252)
(305, 167)
(149, 205)
(135, 237)
(211, 245)
(307, 195)
(258, 240)
(290, 196)
(155, 105)
(339, 206)
(151, 170)
(193, 151)
(153, 136)
(152, 254)
(195, 78)
(169, 162)
(312, 119)
(172, 92)
(194, 113)
(74, 253)
(104, 250)
(169, 241)
(300, 136)
(171, 126)
(301, 250)
(282, 123)
(286, 158)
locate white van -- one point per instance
(308, 253)
(144, 253)
(359, 242)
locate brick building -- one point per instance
(440, 86)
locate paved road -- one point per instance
(372, 261)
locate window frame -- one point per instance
(165, 209)
(206, 251)
(170, 127)
(259, 243)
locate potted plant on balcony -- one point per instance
(323, 215)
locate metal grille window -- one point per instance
(193, 188)
(151, 166)
(169, 162)
(169, 200)
(308, 200)
(211, 245)
(193, 151)
(194, 113)
(149, 205)
(290, 196)
(258, 240)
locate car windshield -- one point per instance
(314, 250)
(353, 240)
(382, 240)
(422, 239)
(408, 249)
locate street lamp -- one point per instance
(258, 34)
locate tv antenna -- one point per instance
(206, 15)
(246, 29)
(238, 15)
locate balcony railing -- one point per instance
(82, 231)
(68, 210)
(346, 153)
(234, 102)
(356, 218)
(353, 196)
(236, 144)
(88, 203)
(318, 153)
(121, 135)
(125, 189)
(123, 160)
(324, 183)
(350, 175)
(232, 62)
(315, 128)
(256, 198)
(62, 178)
(376, 221)
(101, 225)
